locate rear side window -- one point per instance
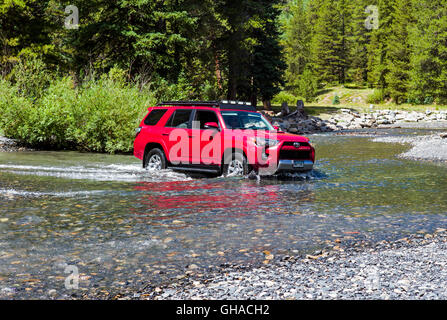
(154, 116)
(179, 119)
(202, 117)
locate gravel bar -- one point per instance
(431, 147)
(411, 268)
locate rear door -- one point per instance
(177, 134)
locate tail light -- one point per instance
(137, 131)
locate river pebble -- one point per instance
(413, 268)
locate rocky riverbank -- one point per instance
(410, 268)
(347, 119)
(9, 145)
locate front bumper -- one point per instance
(289, 166)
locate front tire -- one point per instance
(155, 160)
(235, 165)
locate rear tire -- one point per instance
(235, 165)
(155, 160)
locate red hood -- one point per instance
(283, 136)
(291, 137)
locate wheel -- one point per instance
(155, 160)
(235, 165)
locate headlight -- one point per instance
(262, 142)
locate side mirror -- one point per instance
(278, 129)
(212, 125)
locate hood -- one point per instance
(291, 137)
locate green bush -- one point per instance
(31, 77)
(336, 100)
(429, 100)
(378, 96)
(14, 110)
(98, 116)
(106, 115)
(284, 96)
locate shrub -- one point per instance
(14, 110)
(31, 77)
(284, 96)
(106, 115)
(51, 117)
(377, 96)
(336, 100)
(429, 100)
(98, 116)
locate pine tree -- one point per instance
(377, 49)
(359, 40)
(296, 42)
(429, 57)
(398, 51)
(267, 67)
(329, 44)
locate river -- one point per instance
(123, 228)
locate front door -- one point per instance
(206, 143)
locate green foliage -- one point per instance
(285, 96)
(377, 49)
(428, 100)
(31, 76)
(106, 114)
(358, 40)
(336, 100)
(296, 41)
(14, 110)
(377, 96)
(329, 50)
(308, 85)
(99, 116)
(217, 46)
(398, 51)
(428, 39)
(267, 66)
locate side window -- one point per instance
(179, 119)
(202, 117)
(154, 116)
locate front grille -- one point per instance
(294, 155)
(290, 144)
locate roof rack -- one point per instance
(224, 104)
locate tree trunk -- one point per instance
(267, 104)
(217, 68)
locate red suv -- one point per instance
(222, 137)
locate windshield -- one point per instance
(246, 120)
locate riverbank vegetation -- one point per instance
(86, 86)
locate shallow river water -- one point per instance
(123, 228)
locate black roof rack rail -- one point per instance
(224, 104)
